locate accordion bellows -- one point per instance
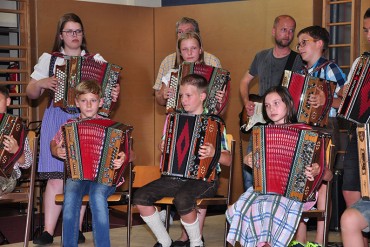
(355, 105)
(92, 146)
(281, 154)
(184, 134)
(300, 88)
(10, 125)
(79, 68)
(218, 79)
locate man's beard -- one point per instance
(281, 44)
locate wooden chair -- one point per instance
(26, 194)
(324, 214)
(139, 176)
(221, 198)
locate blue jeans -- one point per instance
(247, 177)
(98, 194)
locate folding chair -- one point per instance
(26, 194)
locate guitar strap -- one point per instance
(289, 63)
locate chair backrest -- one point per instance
(144, 175)
(224, 188)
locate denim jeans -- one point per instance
(247, 177)
(98, 194)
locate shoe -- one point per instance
(162, 216)
(179, 243)
(295, 243)
(158, 244)
(313, 244)
(81, 237)
(44, 239)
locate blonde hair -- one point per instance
(88, 86)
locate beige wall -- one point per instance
(139, 38)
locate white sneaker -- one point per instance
(162, 216)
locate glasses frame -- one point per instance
(71, 33)
(304, 42)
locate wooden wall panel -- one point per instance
(122, 35)
(233, 32)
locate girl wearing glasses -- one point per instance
(69, 40)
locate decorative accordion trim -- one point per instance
(355, 105)
(281, 154)
(79, 68)
(184, 134)
(301, 87)
(218, 79)
(363, 135)
(10, 125)
(92, 145)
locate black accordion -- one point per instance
(80, 68)
(10, 125)
(300, 88)
(92, 145)
(184, 134)
(355, 105)
(218, 79)
(363, 142)
(281, 154)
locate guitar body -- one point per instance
(246, 122)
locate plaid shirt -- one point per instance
(257, 219)
(169, 62)
(330, 72)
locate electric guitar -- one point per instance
(246, 122)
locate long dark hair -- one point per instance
(59, 43)
(291, 116)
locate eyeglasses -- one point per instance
(304, 42)
(70, 32)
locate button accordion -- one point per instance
(355, 105)
(79, 68)
(10, 125)
(92, 145)
(301, 88)
(184, 134)
(281, 154)
(218, 79)
(363, 157)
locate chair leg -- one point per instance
(226, 232)
(28, 224)
(129, 222)
(129, 209)
(168, 214)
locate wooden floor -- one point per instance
(142, 237)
